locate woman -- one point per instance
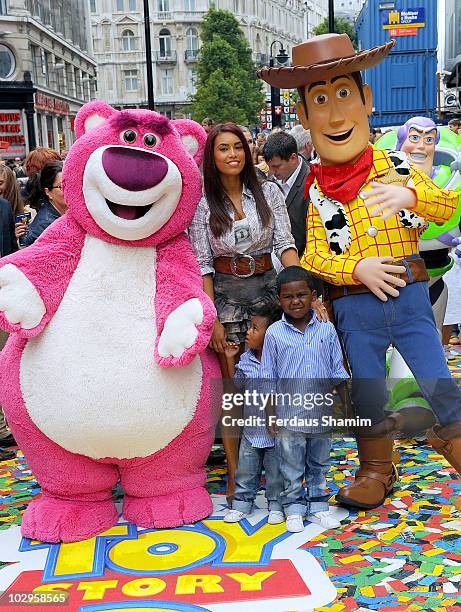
(238, 222)
(45, 195)
(9, 189)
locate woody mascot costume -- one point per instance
(367, 208)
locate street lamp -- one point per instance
(150, 78)
(331, 16)
(276, 108)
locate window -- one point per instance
(39, 129)
(7, 62)
(106, 37)
(192, 81)
(50, 131)
(131, 80)
(189, 6)
(132, 5)
(165, 43)
(3, 7)
(93, 6)
(78, 82)
(60, 18)
(120, 5)
(192, 39)
(70, 80)
(59, 74)
(35, 62)
(167, 81)
(128, 40)
(45, 66)
(163, 6)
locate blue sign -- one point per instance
(412, 17)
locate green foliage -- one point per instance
(342, 26)
(227, 87)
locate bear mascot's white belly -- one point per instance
(83, 355)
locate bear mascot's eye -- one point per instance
(129, 136)
(150, 140)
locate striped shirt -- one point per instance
(276, 236)
(247, 375)
(300, 364)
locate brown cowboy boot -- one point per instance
(447, 442)
(375, 478)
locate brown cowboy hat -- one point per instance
(322, 58)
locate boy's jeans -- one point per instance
(248, 474)
(303, 457)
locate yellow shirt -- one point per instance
(434, 204)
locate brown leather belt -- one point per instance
(416, 267)
(243, 266)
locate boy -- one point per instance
(300, 353)
(257, 446)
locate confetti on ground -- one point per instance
(403, 556)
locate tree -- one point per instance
(342, 26)
(227, 87)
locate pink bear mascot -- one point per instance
(105, 376)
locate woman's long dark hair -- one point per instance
(38, 182)
(220, 219)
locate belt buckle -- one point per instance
(252, 265)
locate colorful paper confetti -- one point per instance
(403, 556)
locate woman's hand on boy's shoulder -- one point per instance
(320, 311)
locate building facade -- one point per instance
(348, 9)
(119, 44)
(49, 43)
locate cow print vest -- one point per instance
(334, 218)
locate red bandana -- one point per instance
(341, 183)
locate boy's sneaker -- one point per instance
(234, 516)
(295, 523)
(324, 519)
(275, 517)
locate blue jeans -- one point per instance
(368, 326)
(302, 458)
(248, 475)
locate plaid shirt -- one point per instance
(392, 239)
(276, 236)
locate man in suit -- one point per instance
(290, 171)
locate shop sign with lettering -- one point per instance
(12, 142)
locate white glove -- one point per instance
(180, 330)
(19, 299)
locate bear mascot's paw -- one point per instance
(180, 329)
(19, 300)
(56, 520)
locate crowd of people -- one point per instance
(248, 234)
(31, 198)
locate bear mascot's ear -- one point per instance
(193, 137)
(91, 115)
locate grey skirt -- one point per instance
(237, 298)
